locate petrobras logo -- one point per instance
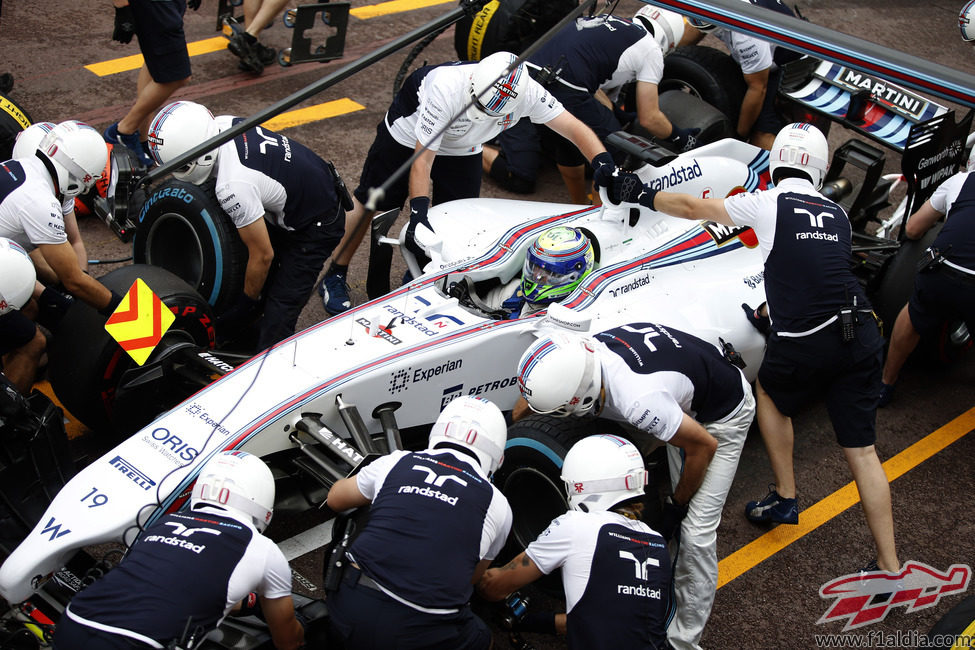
(677, 176)
(133, 473)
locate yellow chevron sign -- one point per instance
(139, 322)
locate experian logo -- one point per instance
(133, 473)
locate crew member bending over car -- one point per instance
(69, 160)
(679, 389)
(190, 569)
(825, 338)
(450, 163)
(435, 524)
(758, 120)
(614, 567)
(594, 55)
(286, 202)
(945, 287)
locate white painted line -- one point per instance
(308, 541)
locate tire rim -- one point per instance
(535, 501)
(678, 84)
(174, 245)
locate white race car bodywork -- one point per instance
(419, 347)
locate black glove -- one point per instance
(52, 306)
(418, 216)
(193, 4)
(671, 518)
(124, 25)
(239, 314)
(682, 140)
(603, 168)
(628, 188)
(112, 305)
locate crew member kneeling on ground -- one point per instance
(614, 567)
(435, 524)
(190, 569)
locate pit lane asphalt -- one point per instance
(769, 593)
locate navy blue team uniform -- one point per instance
(145, 598)
(16, 330)
(303, 231)
(410, 581)
(947, 290)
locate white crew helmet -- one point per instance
(78, 153)
(237, 482)
(476, 424)
(560, 375)
(802, 147)
(496, 87)
(179, 127)
(601, 471)
(970, 164)
(17, 276)
(965, 17)
(666, 27)
(30, 138)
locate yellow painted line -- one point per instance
(394, 7)
(73, 427)
(134, 62)
(313, 113)
(818, 514)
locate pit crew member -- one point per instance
(945, 288)
(187, 571)
(825, 339)
(285, 201)
(614, 566)
(450, 161)
(594, 55)
(22, 344)
(435, 524)
(679, 389)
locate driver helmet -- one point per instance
(476, 424)
(179, 127)
(239, 483)
(965, 21)
(601, 471)
(496, 86)
(803, 147)
(78, 154)
(666, 27)
(30, 138)
(556, 263)
(17, 276)
(560, 375)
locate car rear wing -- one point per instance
(874, 107)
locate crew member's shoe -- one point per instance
(131, 142)
(335, 293)
(245, 47)
(886, 394)
(773, 508)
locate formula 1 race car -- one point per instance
(375, 377)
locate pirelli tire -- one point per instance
(183, 229)
(13, 120)
(87, 364)
(959, 621)
(707, 73)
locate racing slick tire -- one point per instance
(958, 622)
(707, 73)
(13, 120)
(531, 475)
(87, 366)
(183, 229)
(895, 288)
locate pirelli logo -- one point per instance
(132, 472)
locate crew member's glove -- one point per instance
(682, 140)
(671, 518)
(603, 168)
(124, 25)
(418, 217)
(112, 305)
(628, 188)
(193, 4)
(242, 311)
(52, 306)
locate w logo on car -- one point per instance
(865, 598)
